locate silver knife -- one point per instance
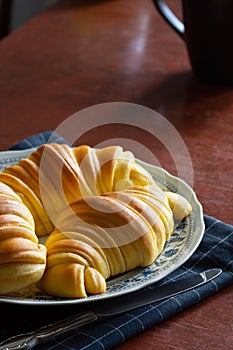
(111, 307)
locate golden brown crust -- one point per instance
(55, 175)
(135, 224)
(22, 259)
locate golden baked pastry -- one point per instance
(56, 175)
(22, 259)
(103, 213)
(102, 236)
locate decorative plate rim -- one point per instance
(194, 223)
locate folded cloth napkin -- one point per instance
(215, 250)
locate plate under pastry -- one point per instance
(184, 241)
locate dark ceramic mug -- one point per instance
(208, 32)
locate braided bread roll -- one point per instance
(56, 175)
(102, 236)
(22, 259)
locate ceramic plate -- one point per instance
(180, 247)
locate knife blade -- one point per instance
(111, 307)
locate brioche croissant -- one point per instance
(22, 259)
(103, 236)
(103, 213)
(56, 175)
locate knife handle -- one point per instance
(50, 332)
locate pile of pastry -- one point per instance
(100, 212)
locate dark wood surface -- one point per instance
(81, 53)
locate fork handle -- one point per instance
(48, 333)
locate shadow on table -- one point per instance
(182, 98)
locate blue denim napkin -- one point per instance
(215, 250)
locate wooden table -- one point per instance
(82, 53)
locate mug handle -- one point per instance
(170, 18)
